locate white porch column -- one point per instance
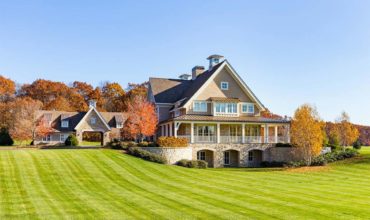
(266, 133)
(243, 133)
(192, 133)
(170, 126)
(276, 133)
(177, 125)
(218, 133)
(162, 130)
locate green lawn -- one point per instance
(90, 143)
(106, 184)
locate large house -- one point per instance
(107, 124)
(219, 115)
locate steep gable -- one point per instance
(86, 123)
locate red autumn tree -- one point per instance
(142, 120)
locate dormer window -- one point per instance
(248, 108)
(224, 85)
(65, 123)
(93, 120)
(119, 125)
(200, 106)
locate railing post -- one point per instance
(266, 133)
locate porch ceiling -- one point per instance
(229, 119)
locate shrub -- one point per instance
(71, 140)
(146, 155)
(143, 144)
(172, 142)
(5, 139)
(357, 145)
(200, 164)
(319, 161)
(273, 164)
(116, 144)
(333, 147)
(283, 145)
(131, 144)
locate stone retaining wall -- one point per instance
(282, 154)
(172, 154)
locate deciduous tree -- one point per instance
(142, 120)
(307, 132)
(348, 133)
(7, 88)
(113, 97)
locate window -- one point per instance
(226, 108)
(62, 137)
(248, 108)
(224, 85)
(201, 155)
(227, 157)
(93, 120)
(119, 125)
(200, 106)
(250, 156)
(177, 113)
(47, 138)
(65, 124)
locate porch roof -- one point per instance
(229, 119)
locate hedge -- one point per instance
(5, 139)
(172, 142)
(201, 164)
(134, 151)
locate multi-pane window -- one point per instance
(224, 85)
(93, 120)
(200, 106)
(47, 138)
(62, 137)
(227, 108)
(250, 156)
(65, 124)
(247, 107)
(227, 157)
(119, 124)
(201, 155)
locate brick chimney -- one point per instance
(214, 60)
(196, 71)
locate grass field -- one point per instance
(90, 143)
(106, 184)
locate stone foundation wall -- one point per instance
(282, 154)
(172, 154)
(218, 151)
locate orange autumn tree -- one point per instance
(307, 132)
(7, 88)
(142, 120)
(346, 131)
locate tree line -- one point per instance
(19, 104)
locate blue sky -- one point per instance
(288, 52)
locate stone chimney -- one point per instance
(214, 60)
(196, 71)
(92, 103)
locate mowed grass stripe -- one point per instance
(105, 184)
(231, 195)
(120, 197)
(146, 190)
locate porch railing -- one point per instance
(236, 139)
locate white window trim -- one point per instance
(60, 137)
(216, 113)
(65, 125)
(119, 125)
(47, 138)
(227, 85)
(93, 120)
(200, 110)
(247, 103)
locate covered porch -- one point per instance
(232, 133)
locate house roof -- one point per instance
(173, 90)
(229, 119)
(224, 99)
(75, 117)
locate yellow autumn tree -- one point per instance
(347, 132)
(307, 132)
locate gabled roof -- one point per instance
(172, 90)
(98, 114)
(75, 117)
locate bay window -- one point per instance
(226, 108)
